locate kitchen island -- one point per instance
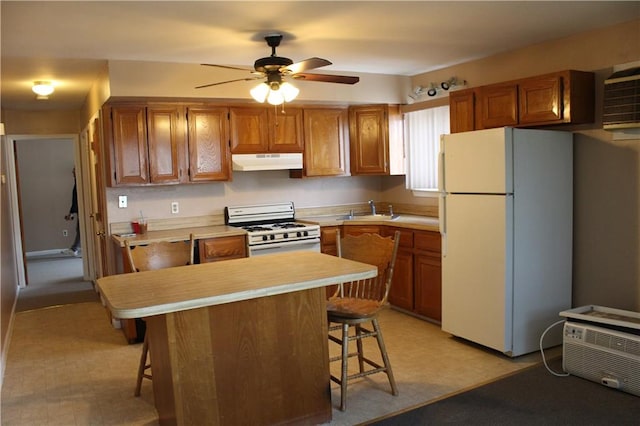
(237, 342)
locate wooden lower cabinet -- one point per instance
(417, 281)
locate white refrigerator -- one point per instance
(506, 210)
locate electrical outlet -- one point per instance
(122, 201)
(65, 233)
(174, 207)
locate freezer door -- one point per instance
(478, 162)
(477, 277)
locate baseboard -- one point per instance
(45, 253)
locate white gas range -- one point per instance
(272, 228)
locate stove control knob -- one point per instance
(285, 235)
(272, 237)
(299, 234)
(264, 238)
(306, 233)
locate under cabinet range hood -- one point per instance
(273, 161)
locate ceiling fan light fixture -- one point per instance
(289, 91)
(42, 88)
(275, 97)
(260, 92)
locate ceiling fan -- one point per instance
(275, 68)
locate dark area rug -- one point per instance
(531, 397)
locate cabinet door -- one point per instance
(498, 105)
(541, 99)
(369, 139)
(286, 130)
(462, 111)
(401, 292)
(249, 130)
(324, 141)
(209, 155)
(361, 229)
(428, 275)
(130, 159)
(428, 287)
(166, 143)
(328, 236)
(222, 248)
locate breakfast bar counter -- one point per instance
(242, 341)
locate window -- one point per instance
(423, 130)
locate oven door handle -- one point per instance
(285, 244)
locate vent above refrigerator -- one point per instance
(621, 106)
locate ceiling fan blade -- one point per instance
(344, 79)
(307, 64)
(228, 81)
(228, 67)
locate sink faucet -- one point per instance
(373, 207)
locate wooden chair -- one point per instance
(359, 302)
(156, 256)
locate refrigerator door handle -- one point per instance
(442, 218)
(441, 165)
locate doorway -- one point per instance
(44, 188)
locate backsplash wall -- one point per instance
(257, 187)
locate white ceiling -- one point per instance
(70, 42)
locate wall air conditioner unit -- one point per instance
(621, 105)
(603, 345)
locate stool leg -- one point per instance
(385, 357)
(359, 346)
(142, 366)
(345, 367)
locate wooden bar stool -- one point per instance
(358, 302)
(152, 256)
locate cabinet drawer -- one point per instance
(427, 241)
(223, 248)
(406, 236)
(361, 229)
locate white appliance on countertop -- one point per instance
(272, 228)
(506, 211)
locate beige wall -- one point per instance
(606, 170)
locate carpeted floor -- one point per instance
(55, 280)
(531, 397)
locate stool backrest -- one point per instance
(372, 249)
(160, 255)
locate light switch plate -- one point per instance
(122, 201)
(175, 208)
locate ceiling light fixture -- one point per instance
(43, 89)
(274, 91)
(434, 89)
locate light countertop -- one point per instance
(425, 223)
(143, 294)
(179, 234)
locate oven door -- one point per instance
(288, 246)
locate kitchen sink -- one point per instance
(369, 217)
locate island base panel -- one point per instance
(260, 361)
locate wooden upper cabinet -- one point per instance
(462, 110)
(166, 144)
(249, 130)
(286, 130)
(557, 98)
(129, 159)
(563, 97)
(376, 140)
(208, 141)
(497, 106)
(325, 138)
